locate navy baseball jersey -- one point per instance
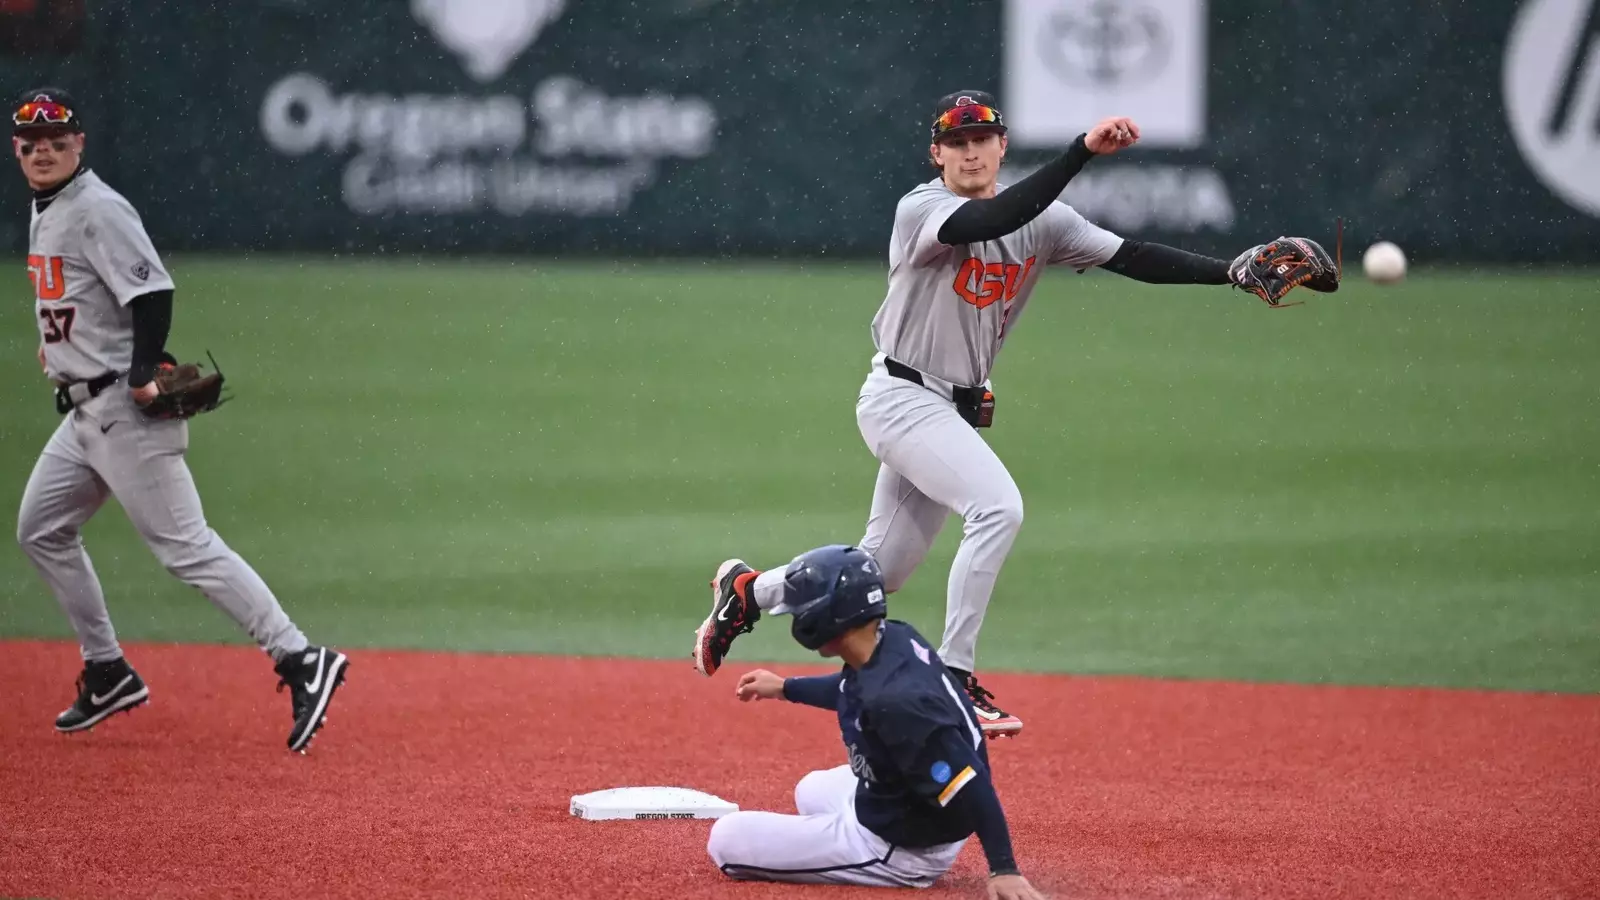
(914, 741)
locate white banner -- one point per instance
(1070, 63)
(1552, 93)
(568, 147)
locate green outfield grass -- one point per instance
(1383, 486)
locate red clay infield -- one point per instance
(449, 775)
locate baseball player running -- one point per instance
(104, 308)
(918, 784)
(964, 257)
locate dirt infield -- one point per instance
(449, 775)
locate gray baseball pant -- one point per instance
(932, 463)
(107, 448)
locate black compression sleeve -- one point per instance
(995, 217)
(1160, 264)
(152, 319)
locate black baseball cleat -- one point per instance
(312, 675)
(731, 616)
(104, 688)
(995, 721)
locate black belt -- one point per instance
(93, 388)
(965, 396)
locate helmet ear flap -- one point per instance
(804, 636)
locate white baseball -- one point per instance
(1384, 263)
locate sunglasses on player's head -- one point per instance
(58, 144)
(966, 114)
(42, 112)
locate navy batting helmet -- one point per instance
(829, 591)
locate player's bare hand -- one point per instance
(144, 393)
(760, 685)
(1111, 135)
(1012, 887)
(42, 366)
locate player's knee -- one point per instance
(187, 559)
(808, 791)
(894, 577)
(186, 568)
(721, 839)
(35, 536)
(1002, 514)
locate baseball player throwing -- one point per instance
(104, 307)
(918, 783)
(964, 257)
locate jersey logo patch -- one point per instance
(141, 270)
(981, 284)
(921, 652)
(940, 772)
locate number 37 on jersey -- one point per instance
(49, 285)
(980, 283)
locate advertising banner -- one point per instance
(705, 128)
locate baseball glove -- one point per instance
(184, 391)
(1271, 271)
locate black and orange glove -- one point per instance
(183, 391)
(1271, 271)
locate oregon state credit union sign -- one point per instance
(566, 147)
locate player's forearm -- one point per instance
(152, 320)
(821, 691)
(1160, 264)
(983, 806)
(995, 217)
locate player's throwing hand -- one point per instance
(760, 685)
(1012, 887)
(1111, 135)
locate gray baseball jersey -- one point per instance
(88, 256)
(949, 309)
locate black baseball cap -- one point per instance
(960, 111)
(44, 109)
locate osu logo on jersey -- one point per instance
(48, 281)
(980, 283)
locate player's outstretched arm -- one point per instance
(1154, 263)
(821, 691)
(995, 217)
(1268, 270)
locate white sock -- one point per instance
(768, 588)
